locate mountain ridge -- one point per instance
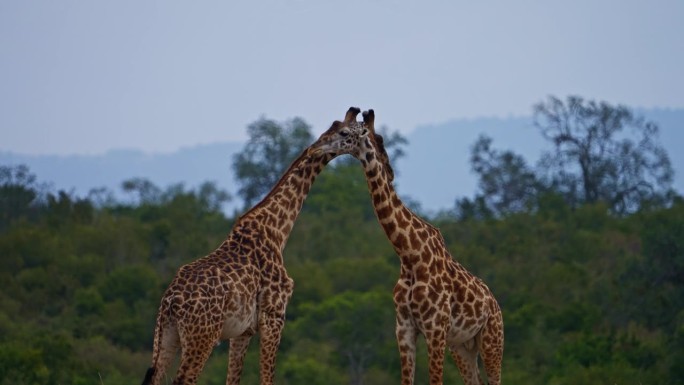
(434, 172)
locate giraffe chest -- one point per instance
(428, 306)
(469, 313)
(424, 303)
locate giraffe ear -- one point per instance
(369, 119)
(351, 114)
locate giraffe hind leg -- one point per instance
(195, 351)
(436, 343)
(491, 349)
(465, 356)
(191, 364)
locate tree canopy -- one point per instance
(598, 153)
(271, 147)
(588, 296)
(603, 153)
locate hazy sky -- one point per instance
(88, 76)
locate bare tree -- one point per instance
(506, 183)
(602, 153)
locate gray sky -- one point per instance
(84, 77)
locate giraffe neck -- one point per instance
(408, 233)
(417, 243)
(279, 209)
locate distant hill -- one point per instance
(81, 173)
(435, 171)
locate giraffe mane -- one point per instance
(383, 157)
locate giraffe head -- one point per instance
(377, 143)
(343, 137)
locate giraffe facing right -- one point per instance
(242, 288)
(435, 295)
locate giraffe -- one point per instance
(242, 288)
(435, 295)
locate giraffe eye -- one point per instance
(344, 133)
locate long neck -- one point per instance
(279, 209)
(412, 237)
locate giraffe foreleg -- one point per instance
(273, 302)
(270, 331)
(436, 344)
(406, 341)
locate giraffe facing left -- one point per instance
(242, 288)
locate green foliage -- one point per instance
(588, 297)
(309, 370)
(18, 194)
(129, 284)
(358, 325)
(81, 284)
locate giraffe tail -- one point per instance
(148, 376)
(165, 346)
(152, 370)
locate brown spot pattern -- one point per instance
(242, 288)
(435, 295)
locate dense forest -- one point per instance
(589, 272)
